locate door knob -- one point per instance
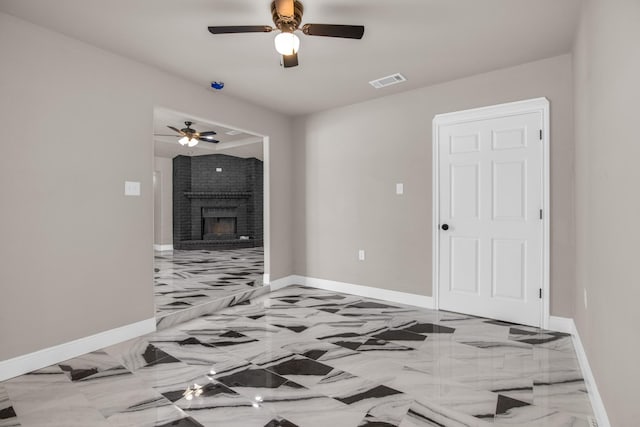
(445, 227)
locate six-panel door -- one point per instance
(490, 186)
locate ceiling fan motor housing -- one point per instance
(188, 129)
(287, 24)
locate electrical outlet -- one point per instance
(586, 301)
(399, 188)
(361, 255)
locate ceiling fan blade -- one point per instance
(207, 139)
(284, 7)
(162, 134)
(289, 61)
(328, 30)
(208, 133)
(176, 130)
(232, 29)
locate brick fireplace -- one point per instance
(217, 202)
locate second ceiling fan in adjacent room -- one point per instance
(287, 17)
(190, 137)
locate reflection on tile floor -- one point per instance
(189, 284)
(307, 357)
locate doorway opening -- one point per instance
(210, 239)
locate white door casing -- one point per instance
(491, 189)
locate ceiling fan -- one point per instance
(191, 137)
(287, 16)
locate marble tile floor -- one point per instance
(189, 284)
(306, 357)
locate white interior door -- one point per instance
(490, 186)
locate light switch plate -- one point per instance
(400, 188)
(131, 188)
(361, 255)
(218, 169)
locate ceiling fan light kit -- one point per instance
(189, 142)
(287, 16)
(287, 43)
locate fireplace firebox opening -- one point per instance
(219, 223)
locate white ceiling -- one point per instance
(428, 41)
(241, 144)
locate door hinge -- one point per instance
(540, 134)
(540, 214)
(540, 293)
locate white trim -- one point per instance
(265, 279)
(435, 214)
(266, 162)
(594, 395)
(350, 288)
(266, 204)
(501, 110)
(46, 357)
(162, 247)
(561, 324)
(567, 325)
(287, 281)
(546, 212)
(370, 292)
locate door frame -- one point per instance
(495, 111)
(266, 179)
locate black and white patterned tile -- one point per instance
(305, 357)
(190, 284)
(8, 417)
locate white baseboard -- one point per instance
(46, 357)
(561, 324)
(163, 247)
(567, 325)
(370, 292)
(287, 281)
(350, 288)
(594, 395)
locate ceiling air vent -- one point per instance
(388, 81)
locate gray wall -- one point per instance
(607, 69)
(348, 160)
(163, 207)
(89, 116)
